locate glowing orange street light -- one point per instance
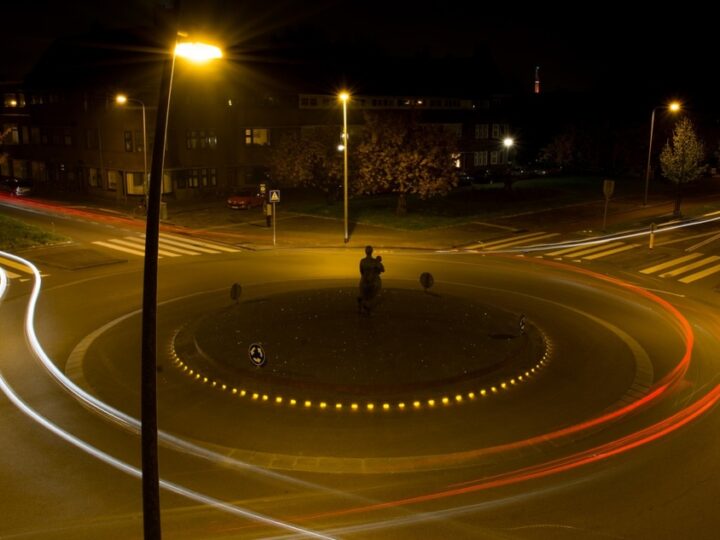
(673, 107)
(344, 97)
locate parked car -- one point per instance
(16, 186)
(245, 198)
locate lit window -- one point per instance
(493, 158)
(496, 131)
(257, 136)
(128, 136)
(481, 131)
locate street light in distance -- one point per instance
(344, 97)
(673, 107)
(122, 99)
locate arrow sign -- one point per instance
(257, 354)
(274, 195)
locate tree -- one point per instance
(310, 160)
(681, 159)
(399, 155)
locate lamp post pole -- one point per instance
(672, 107)
(121, 99)
(148, 358)
(344, 96)
(647, 167)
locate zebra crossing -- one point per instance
(593, 252)
(511, 242)
(692, 267)
(169, 246)
(17, 271)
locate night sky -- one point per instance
(602, 48)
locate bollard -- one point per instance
(652, 236)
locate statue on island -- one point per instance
(370, 282)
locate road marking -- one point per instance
(611, 252)
(502, 241)
(704, 242)
(670, 263)
(195, 243)
(138, 245)
(691, 266)
(508, 242)
(11, 275)
(701, 274)
(15, 265)
(684, 239)
(120, 248)
(577, 251)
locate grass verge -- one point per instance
(15, 234)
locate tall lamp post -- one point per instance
(672, 107)
(122, 99)
(344, 97)
(197, 52)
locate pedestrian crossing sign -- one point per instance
(274, 195)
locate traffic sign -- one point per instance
(263, 189)
(274, 195)
(608, 188)
(257, 354)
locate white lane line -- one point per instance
(184, 251)
(691, 266)
(17, 266)
(668, 264)
(11, 275)
(510, 239)
(193, 242)
(120, 248)
(699, 275)
(611, 252)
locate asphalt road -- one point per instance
(616, 437)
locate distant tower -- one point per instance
(537, 79)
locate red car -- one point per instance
(244, 199)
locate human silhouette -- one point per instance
(370, 282)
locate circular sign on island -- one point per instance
(257, 354)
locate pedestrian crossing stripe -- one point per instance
(526, 236)
(168, 246)
(611, 252)
(691, 266)
(513, 241)
(699, 275)
(577, 251)
(668, 264)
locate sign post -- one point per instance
(274, 198)
(608, 188)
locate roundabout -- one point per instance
(427, 382)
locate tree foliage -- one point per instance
(398, 155)
(681, 159)
(310, 159)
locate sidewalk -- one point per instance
(213, 220)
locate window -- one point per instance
(93, 177)
(258, 136)
(191, 140)
(482, 131)
(496, 131)
(25, 135)
(10, 134)
(67, 137)
(493, 158)
(34, 135)
(128, 141)
(212, 139)
(91, 139)
(138, 141)
(203, 139)
(113, 179)
(480, 159)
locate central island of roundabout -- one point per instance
(491, 368)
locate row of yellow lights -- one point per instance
(369, 406)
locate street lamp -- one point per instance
(198, 52)
(344, 97)
(122, 99)
(672, 107)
